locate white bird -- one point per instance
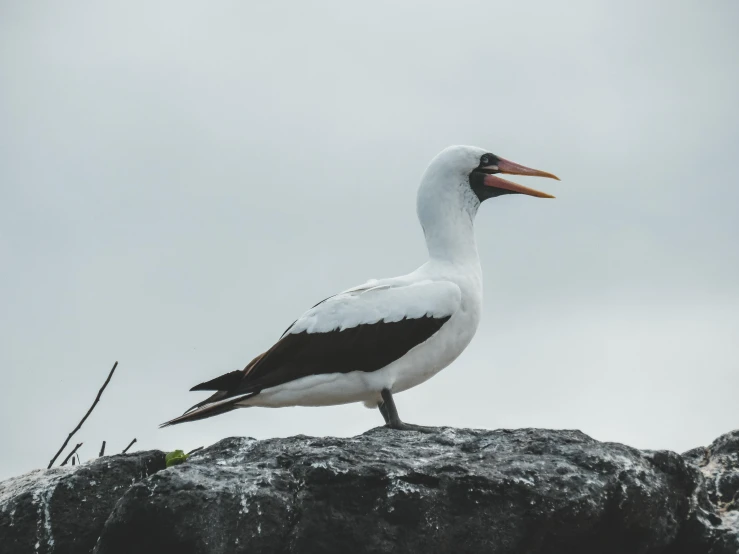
(388, 335)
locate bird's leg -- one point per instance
(383, 410)
(392, 420)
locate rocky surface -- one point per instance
(455, 491)
(64, 509)
(719, 464)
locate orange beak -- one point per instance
(512, 168)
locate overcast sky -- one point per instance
(179, 181)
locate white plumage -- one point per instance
(421, 296)
(388, 335)
(387, 301)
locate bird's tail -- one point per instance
(208, 409)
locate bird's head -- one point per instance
(480, 168)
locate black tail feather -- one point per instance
(220, 395)
(228, 381)
(208, 410)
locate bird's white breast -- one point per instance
(428, 358)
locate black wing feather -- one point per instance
(367, 347)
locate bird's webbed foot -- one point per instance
(402, 426)
(392, 420)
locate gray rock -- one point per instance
(719, 463)
(458, 490)
(63, 510)
(453, 491)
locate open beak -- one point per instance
(512, 168)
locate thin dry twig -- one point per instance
(129, 446)
(102, 450)
(195, 450)
(72, 453)
(97, 399)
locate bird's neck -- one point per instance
(447, 216)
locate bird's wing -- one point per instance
(363, 329)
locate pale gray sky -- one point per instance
(180, 180)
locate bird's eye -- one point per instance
(485, 160)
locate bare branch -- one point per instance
(129, 446)
(97, 399)
(195, 450)
(102, 450)
(72, 453)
